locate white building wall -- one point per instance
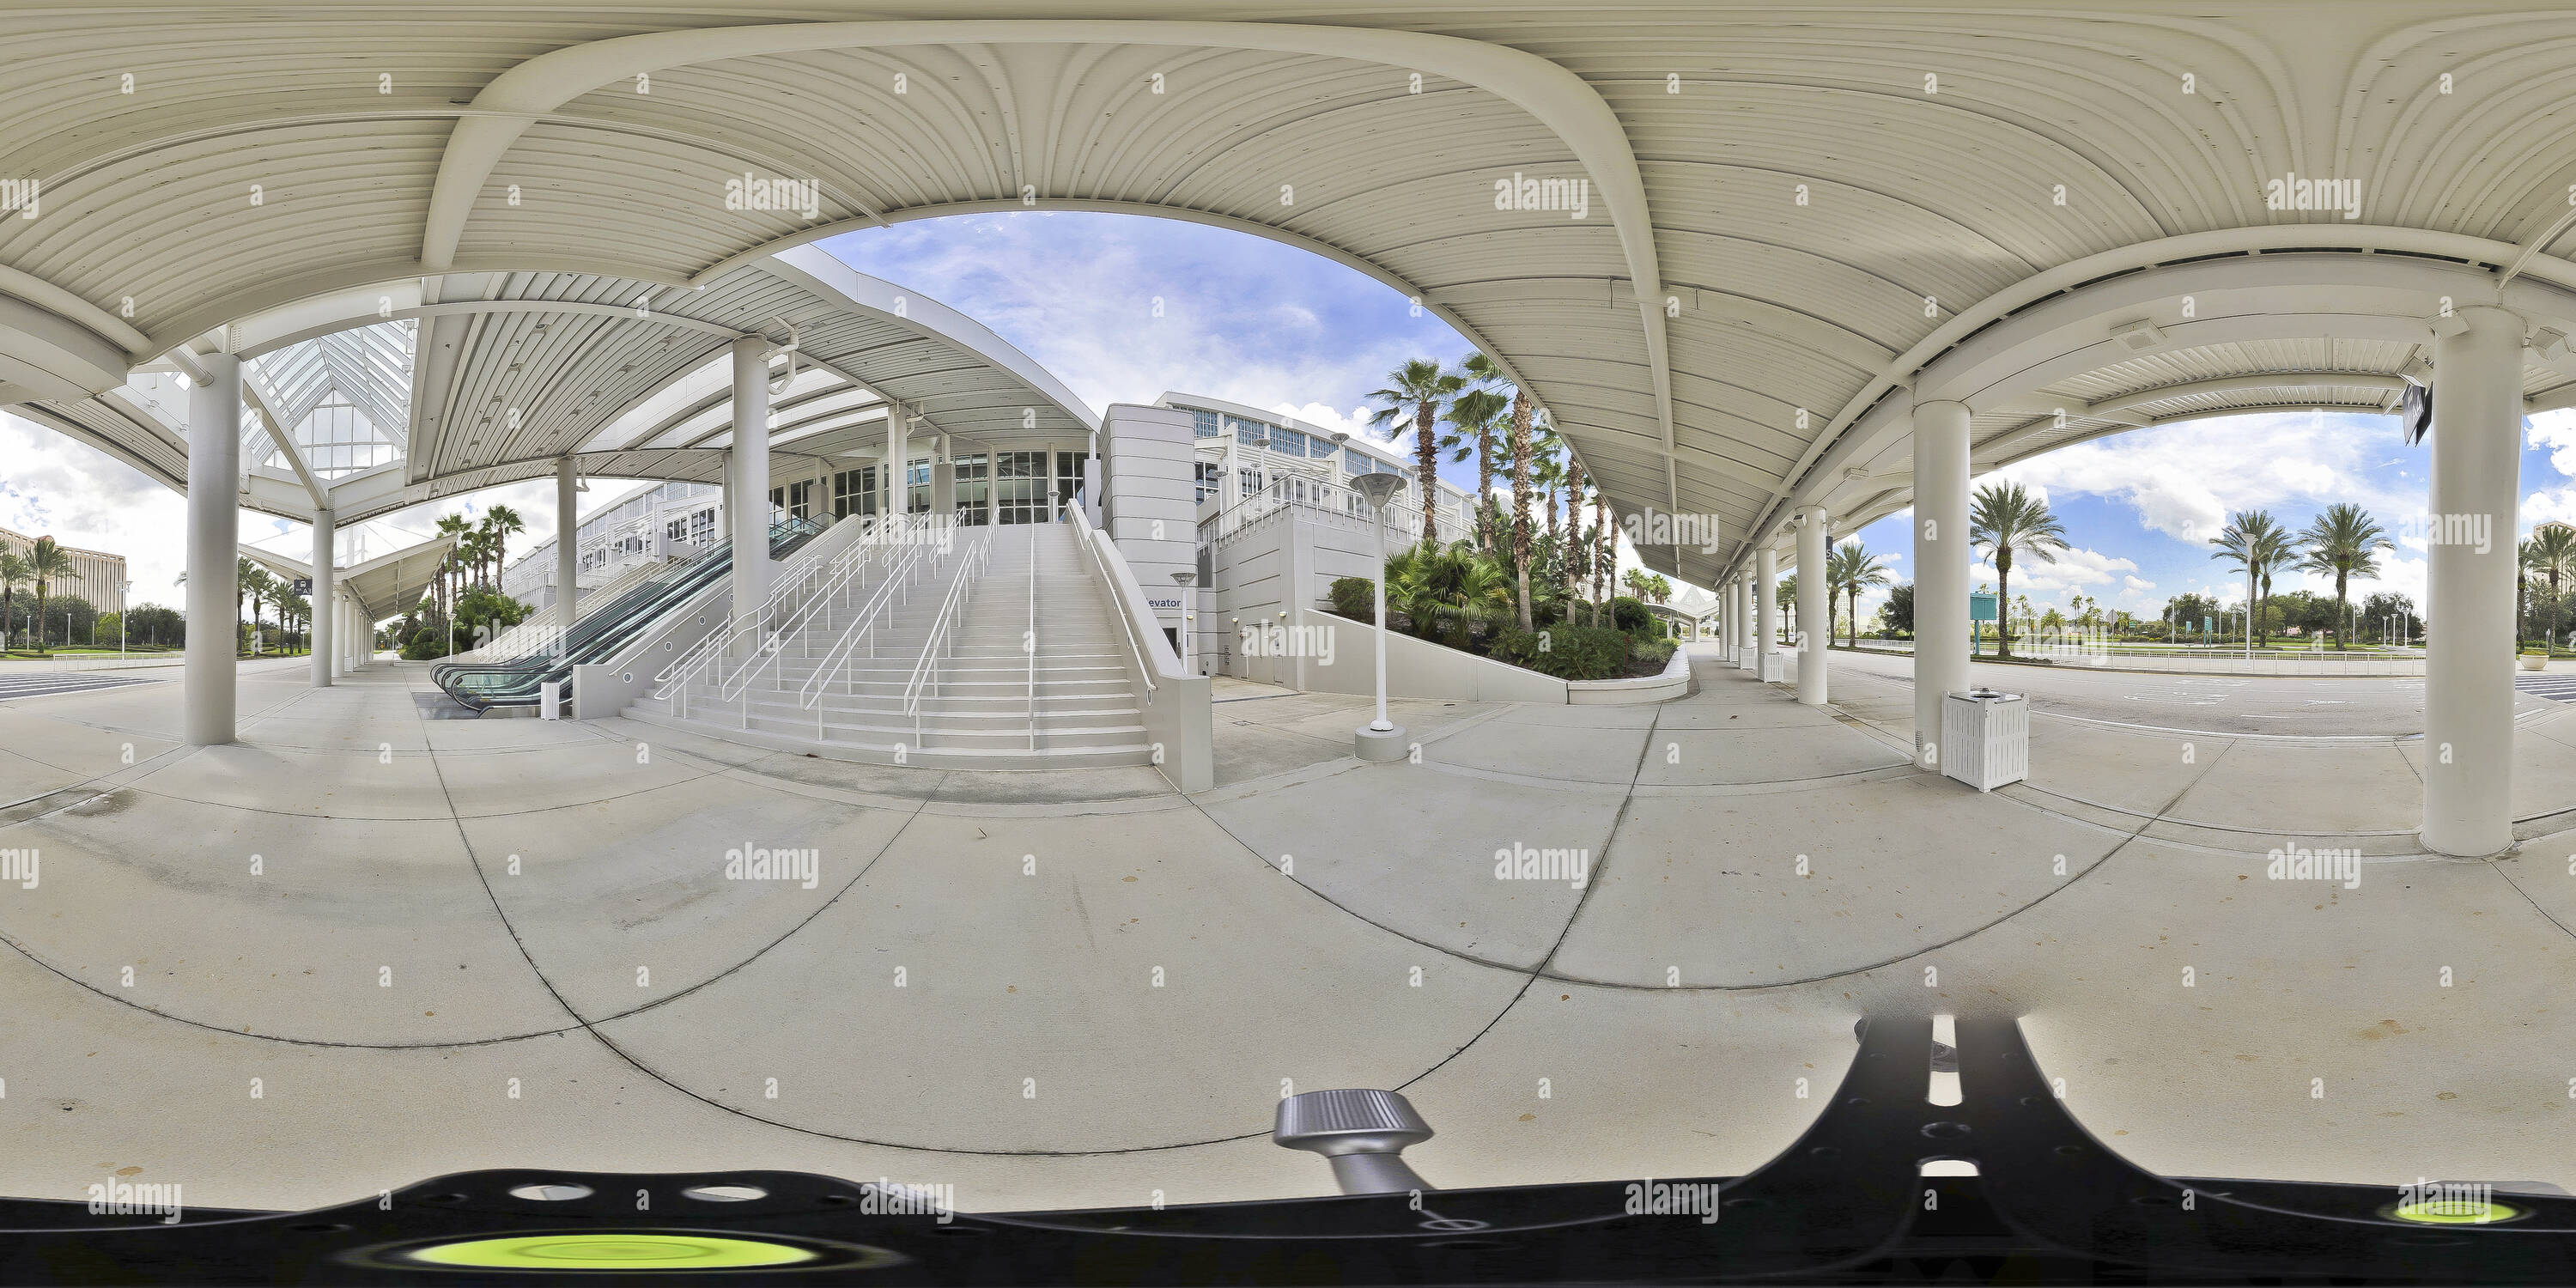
(1148, 501)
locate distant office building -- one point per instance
(1259, 449)
(96, 576)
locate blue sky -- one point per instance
(1241, 317)
(1272, 326)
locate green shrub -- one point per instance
(1630, 615)
(425, 646)
(1655, 650)
(1566, 652)
(1355, 598)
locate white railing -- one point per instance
(810, 594)
(1109, 586)
(814, 577)
(902, 572)
(1029, 642)
(952, 609)
(1402, 521)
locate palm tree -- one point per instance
(1488, 375)
(244, 572)
(1574, 540)
(13, 574)
(2345, 542)
(2553, 555)
(46, 561)
(1419, 388)
(2256, 545)
(501, 521)
(257, 585)
(1474, 416)
(2008, 520)
(451, 525)
(1605, 553)
(1849, 568)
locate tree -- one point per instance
(1899, 610)
(1419, 388)
(2255, 545)
(156, 625)
(2345, 542)
(1785, 594)
(1566, 556)
(1475, 418)
(259, 586)
(46, 562)
(1516, 453)
(2186, 611)
(2379, 609)
(502, 522)
(2553, 550)
(2008, 520)
(1848, 569)
(456, 525)
(13, 574)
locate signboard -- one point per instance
(303, 585)
(1981, 607)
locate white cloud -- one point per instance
(2074, 570)
(2184, 480)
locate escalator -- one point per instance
(600, 633)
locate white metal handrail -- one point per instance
(821, 587)
(1109, 585)
(896, 588)
(683, 670)
(1029, 642)
(1315, 494)
(952, 609)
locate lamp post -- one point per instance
(1183, 580)
(1382, 739)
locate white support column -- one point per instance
(943, 475)
(1942, 558)
(2468, 666)
(1766, 608)
(324, 630)
(214, 544)
(1746, 654)
(1815, 607)
(748, 507)
(567, 541)
(893, 497)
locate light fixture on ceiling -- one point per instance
(2139, 336)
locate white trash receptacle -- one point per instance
(551, 698)
(1775, 667)
(1985, 738)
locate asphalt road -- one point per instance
(2304, 706)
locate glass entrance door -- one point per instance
(1023, 483)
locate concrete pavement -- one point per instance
(452, 944)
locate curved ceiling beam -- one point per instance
(273, 296)
(2077, 273)
(371, 317)
(852, 291)
(1562, 101)
(72, 308)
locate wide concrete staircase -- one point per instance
(998, 652)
